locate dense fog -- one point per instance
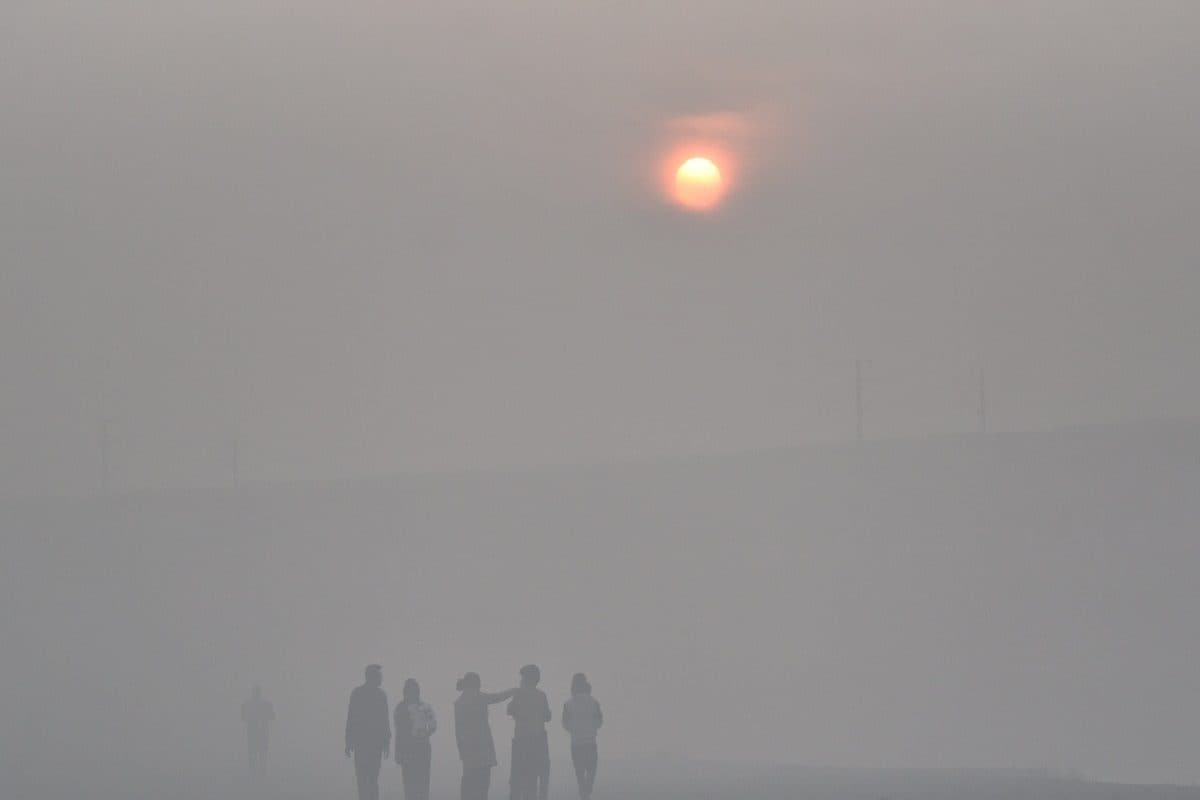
(988, 601)
(326, 241)
(337, 334)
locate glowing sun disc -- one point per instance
(698, 183)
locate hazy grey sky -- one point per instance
(373, 237)
(384, 236)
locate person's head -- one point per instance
(256, 692)
(412, 692)
(580, 685)
(469, 682)
(374, 675)
(530, 675)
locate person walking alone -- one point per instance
(258, 714)
(368, 732)
(473, 734)
(582, 718)
(415, 722)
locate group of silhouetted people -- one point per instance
(369, 736)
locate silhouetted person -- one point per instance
(476, 747)
(415, 722)
(582, 718)
(530, 710)
(258, 715)
(368, 732)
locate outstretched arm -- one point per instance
(491, 698)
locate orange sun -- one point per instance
(698, 184)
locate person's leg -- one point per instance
(485, 782)
(406, 777)
(529, 772)
(543, 778)
(475, 783)
(360, 776)
(366, 770)
(519, 773)
(524, 783)
(577, 760)
(515, 791)
(424, 771)
(414, 767)
(260, 763)
(591, 760)
(376, 763)
(465, 786)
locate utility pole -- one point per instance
(858, 398)
(234, 455)
(982, 402)
(105, 453)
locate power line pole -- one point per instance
(105, 453)
(858, 398)
(234, 455)
(983, 425)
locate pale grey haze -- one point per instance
(409, 237)
(1010, 600)
(347, 333)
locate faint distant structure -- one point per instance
(982, 402)
(105, 440)
(858, 399)
(235, 454)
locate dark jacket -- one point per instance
(367, 726)
(476, 747)
(530, 711)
